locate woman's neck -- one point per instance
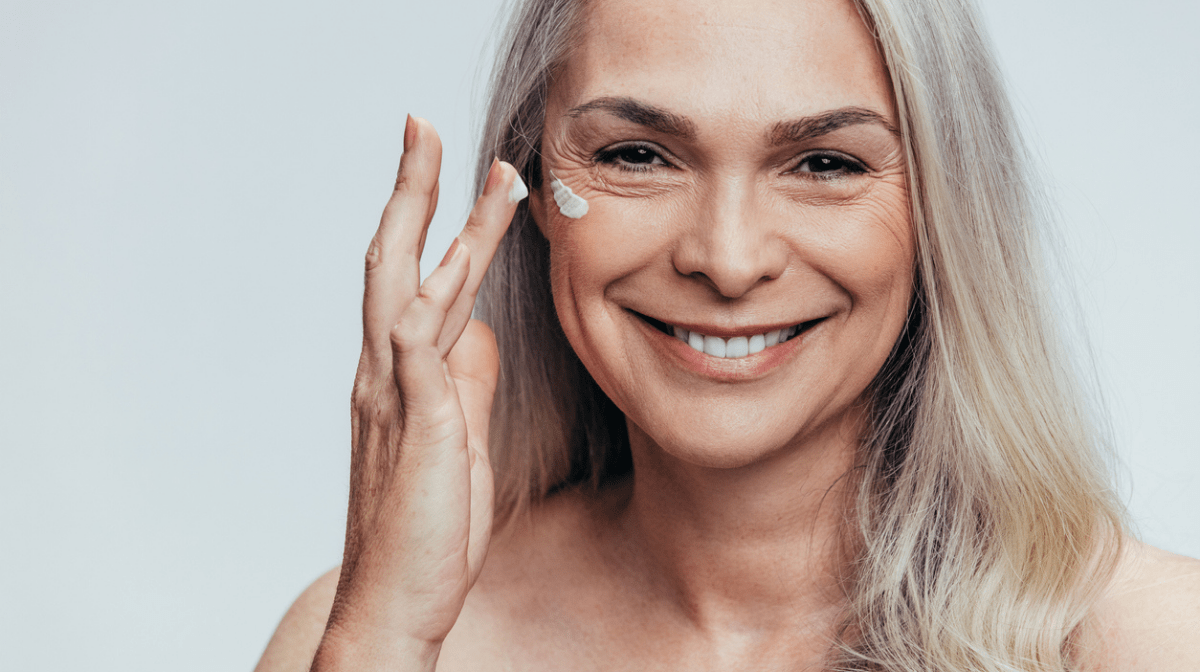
(752, 549)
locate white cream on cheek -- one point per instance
(569, 203)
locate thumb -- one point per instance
(474, 364)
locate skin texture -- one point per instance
(729, 233)
(688, 127)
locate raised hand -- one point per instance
(420, 514)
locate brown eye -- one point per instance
(631, 157)
(829, 165)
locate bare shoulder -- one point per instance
(1150, 615)
(295, 641)
(537, 569)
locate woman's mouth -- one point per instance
(732, 347)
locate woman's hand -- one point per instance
(420, 513)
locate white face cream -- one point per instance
(569, 203)
(518, 190)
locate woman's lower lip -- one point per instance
(720, 368)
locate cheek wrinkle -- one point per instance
(569, 203)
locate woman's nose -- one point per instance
(732, 244)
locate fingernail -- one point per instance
(450, 252)
(493, 177)
(518, 191)
(410, 132)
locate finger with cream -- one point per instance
(569, 203)
(518, 191)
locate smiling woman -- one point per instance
(775, 383)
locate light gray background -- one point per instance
(186, 192)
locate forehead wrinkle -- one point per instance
(638, 112)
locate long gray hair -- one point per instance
(985, 521)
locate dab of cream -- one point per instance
(569, 203)
(518, 190)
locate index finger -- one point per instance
(485, 227)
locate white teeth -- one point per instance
(738, 346)
(757, 343)
(714, 345)
(735, 347)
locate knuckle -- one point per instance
(474, 223)
(405, 336)
(417, 326)
(406, 184)
(374, 253)
(371, 391)
(375, 408)
(425, 298)
(381, 415)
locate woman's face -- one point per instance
(743, 176)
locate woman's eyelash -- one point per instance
(826, 165)
(641, 157)
(634, 157)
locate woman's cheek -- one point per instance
(619, 235)
(875, 267)
(866, 246)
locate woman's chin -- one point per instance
(715, 446)
(747, 434)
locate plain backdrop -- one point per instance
(187, 189)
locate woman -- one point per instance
(776, 384)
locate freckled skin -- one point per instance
(725, 231)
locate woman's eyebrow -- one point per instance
(637, 112)
(798, 130)
(783, 132)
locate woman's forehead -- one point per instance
(708, 58)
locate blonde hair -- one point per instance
(985, 522)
